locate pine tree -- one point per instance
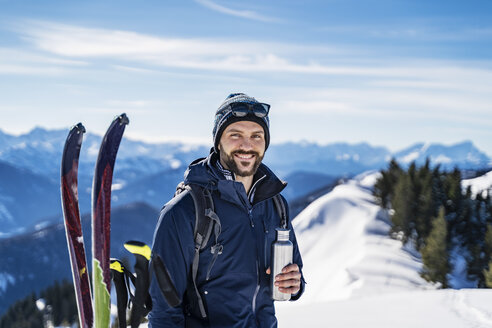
(385, 185)
(487, 272)
(61, 297)
(435, 254)
(404, 207)
(23, 314)
(453, 202)
(426, 202)
(475, 239)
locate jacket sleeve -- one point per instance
(296, 256)
(173, 242)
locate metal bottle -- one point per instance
(282, 249)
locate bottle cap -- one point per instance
(282, 234)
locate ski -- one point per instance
(101, 224)
(73, 227)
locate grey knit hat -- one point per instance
(224, 117)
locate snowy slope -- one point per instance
(466, 308)
(343, 238)
(358, 277)
(480, 184)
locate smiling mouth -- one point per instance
(244, 157)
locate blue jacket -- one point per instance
(237, 293)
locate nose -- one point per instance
(246, 144)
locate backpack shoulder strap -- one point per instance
(206, 221)
(203, 225)
(281, 210)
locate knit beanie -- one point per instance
(224, 117)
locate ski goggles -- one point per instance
(240, 109)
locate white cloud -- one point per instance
(391, 104)
(238, 13)
(208, 54)
(74, 43)
(23, 62)
(378, 88)
(13, 69)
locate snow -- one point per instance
(117, 186)
(449, 308)
(357, 276)
(343, 239)
(470, 157)
(410, 157)
(479, 184)
(5, 214)
(5, 280)
(458, 277)
(175, 163)
(442, 159)
(42, 225)
(41, 304)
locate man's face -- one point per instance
(242, 147)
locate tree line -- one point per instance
(428, 207)
(59, 308)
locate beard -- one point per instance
(230, 162)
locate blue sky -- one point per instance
(390, 73)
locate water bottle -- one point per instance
(281, 256)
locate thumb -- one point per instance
(268, 270)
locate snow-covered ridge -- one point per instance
(463, 155)
(344, 242)
(481, 184)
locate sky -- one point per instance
(390, 73)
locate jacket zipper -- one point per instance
(253, 302)
(257, 288)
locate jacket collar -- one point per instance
(203, 172)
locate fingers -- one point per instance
(290, 268)
(290, 290)
(289, 281)
(288, 286)
(288, 276)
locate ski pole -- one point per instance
(142, 302)
(118, 275)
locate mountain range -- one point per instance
(149, 172)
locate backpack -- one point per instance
(206, 221)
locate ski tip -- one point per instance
(123, 119)
(79, 127)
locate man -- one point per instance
(233, 283)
